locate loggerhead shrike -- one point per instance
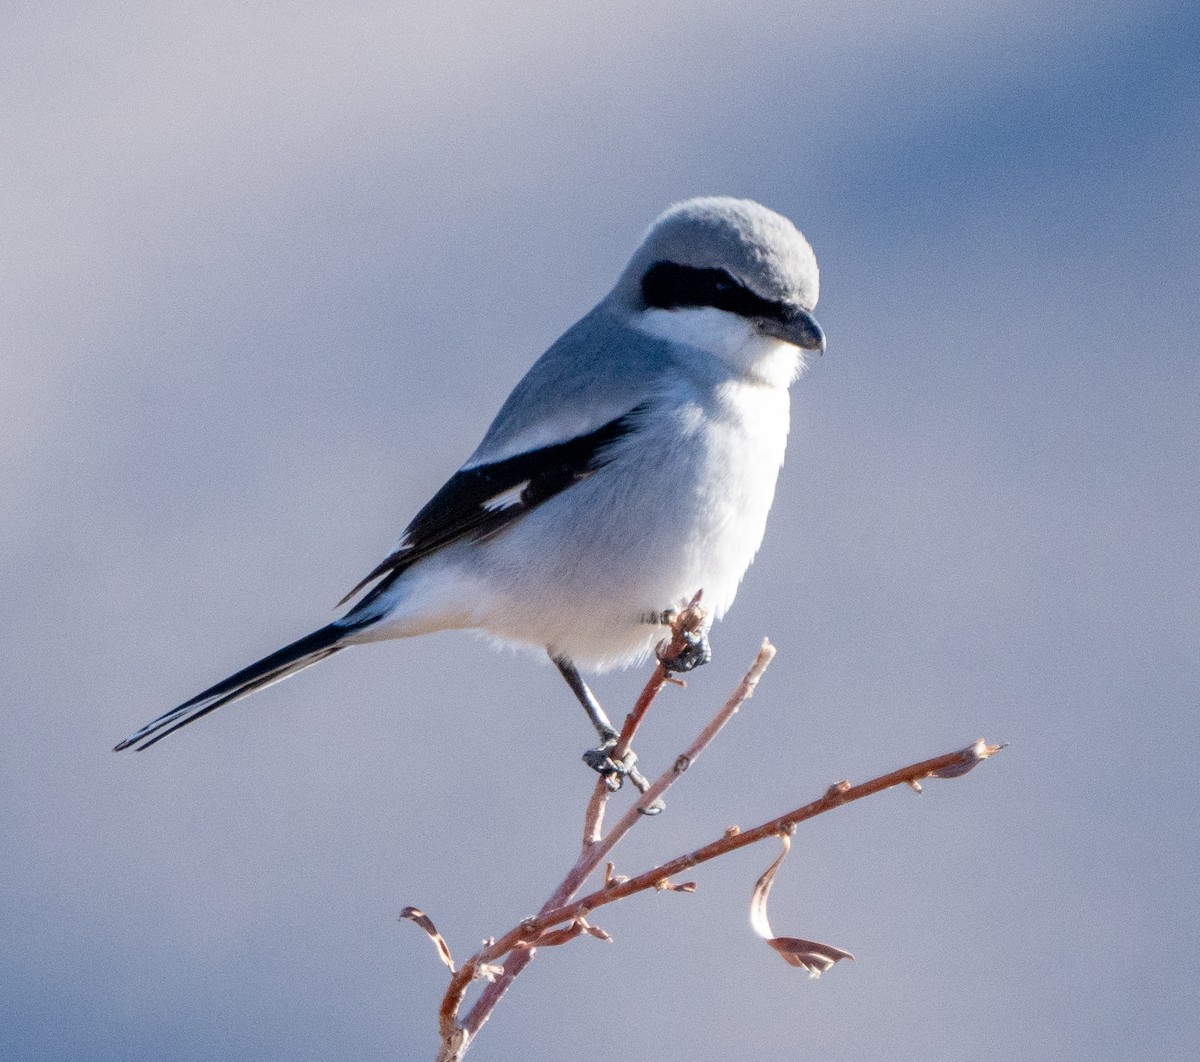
(632, 466)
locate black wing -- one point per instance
(479, 501)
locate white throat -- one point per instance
(727, 336)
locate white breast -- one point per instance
(724, 335)
(680, 506)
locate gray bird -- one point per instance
(633, 465)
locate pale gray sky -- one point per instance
(265, 275)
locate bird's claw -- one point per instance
(614, 771)
(696, 651)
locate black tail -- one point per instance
(279, 665)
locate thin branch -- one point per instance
(689, 621)
(951, 765)
(522, 940)
(525, 937)
(501, 961)
(742, 693)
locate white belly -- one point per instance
(684, 512)
(681, 506)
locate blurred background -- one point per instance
(267, 271)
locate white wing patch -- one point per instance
(506, 499)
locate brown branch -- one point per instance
(523, 939)
(951, 765)
(742, 693)
(501, 961)
(690, 620)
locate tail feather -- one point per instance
(271, 669)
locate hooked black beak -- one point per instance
(796, 326)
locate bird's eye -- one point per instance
(670, 286)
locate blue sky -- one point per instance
(268, 272)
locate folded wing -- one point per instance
(483, 499)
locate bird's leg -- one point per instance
(697, 648)
(591, 706)
(598, 759)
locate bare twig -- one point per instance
(563, 918)
(524, 939)
(689, 621)
(951, 765)
(742, 693)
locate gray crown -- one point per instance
(762, 249)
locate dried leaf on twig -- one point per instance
(813, 956)
(418, 916)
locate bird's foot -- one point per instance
(696, 651)
(655, 807)
(614, 771)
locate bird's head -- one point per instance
(727, 276)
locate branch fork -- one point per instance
(564, 918)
